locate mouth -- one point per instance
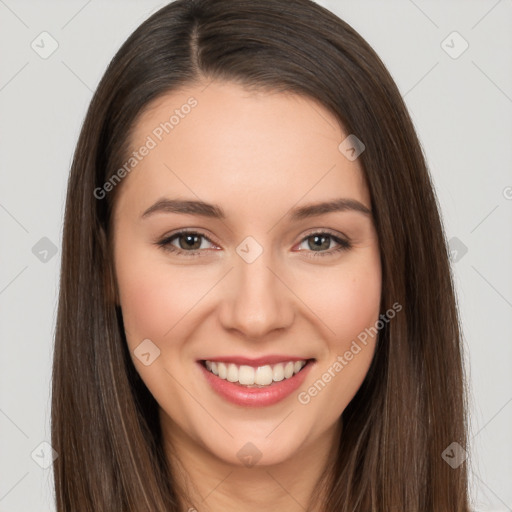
(246, 384)
(253, 376)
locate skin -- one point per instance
(257, 155)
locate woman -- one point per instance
(256, 307)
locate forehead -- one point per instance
(242, 148)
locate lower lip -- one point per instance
(256, 397)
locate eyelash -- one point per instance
(165, 244)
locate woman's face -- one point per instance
(261, 283)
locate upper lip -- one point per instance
(258, 361)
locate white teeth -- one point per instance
(246, 375)
(278, 373)
(250, 376)
(288, 370)
(263, 375)
(232, 373)
(223, 371)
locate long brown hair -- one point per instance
(412, 404)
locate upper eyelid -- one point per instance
(176, 234)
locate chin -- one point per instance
(249, 449)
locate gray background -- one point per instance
(461, 108)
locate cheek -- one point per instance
(141, 300)
(153, 296)
(348, 301)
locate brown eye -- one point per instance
(188, 242)
(320, 244)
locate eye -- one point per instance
(319, 244)
(191, 243)
(188, 243)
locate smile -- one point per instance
(259, 376)
(252, 383)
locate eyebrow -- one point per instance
(216, 212)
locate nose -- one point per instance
(256, 300)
